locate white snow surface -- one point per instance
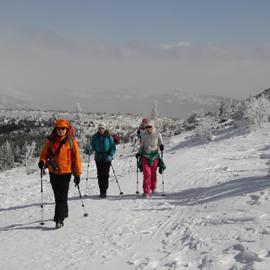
(215, 214)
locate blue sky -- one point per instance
(231, 22)
(219, 47)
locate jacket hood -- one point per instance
(62, 123)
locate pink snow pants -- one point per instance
(149, 175)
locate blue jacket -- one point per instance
(103, 145)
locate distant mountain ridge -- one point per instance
(169, 103)
(8, 102)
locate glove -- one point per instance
(77, 180)
(108, 158)
(161, 147)
(41, 164)
(138, 155)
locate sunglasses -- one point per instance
(61, 128)
(148, 127)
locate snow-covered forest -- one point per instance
(23, 132)
(213, 215)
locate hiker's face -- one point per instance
(149, 129)
(101, 131)
(61, 131)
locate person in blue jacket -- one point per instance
(103, 145)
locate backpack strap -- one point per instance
(70, 141)
(53, 153)
(51, 160)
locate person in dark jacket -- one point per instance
(104, 146)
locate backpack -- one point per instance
(70, 136)
(116, 139)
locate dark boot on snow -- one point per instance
(59, 224)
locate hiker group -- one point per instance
(60, 154)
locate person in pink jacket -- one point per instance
(151, 142)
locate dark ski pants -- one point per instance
(60, 186)
(103, 170)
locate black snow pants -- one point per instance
(103, 170)
(60, 186)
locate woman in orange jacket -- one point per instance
(61, 155)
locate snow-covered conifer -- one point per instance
(204, 128)
(29, 159)
(154, 112)
(6, 157)
(257, 110)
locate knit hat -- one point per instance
(150, 123)
(102, 125)
(62, 123)
(145, 120)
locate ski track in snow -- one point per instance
(214, 216)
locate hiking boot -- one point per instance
(146, 195)
(103, 195)
(59, 224)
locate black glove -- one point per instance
(41, 164)
(161, 147)
(77, 180)
(138, 155)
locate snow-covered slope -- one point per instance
(215, 214)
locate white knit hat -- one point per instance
(102, 125)
(150, 123)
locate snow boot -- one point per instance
(59, 224)
(146, 195)
(103, 195)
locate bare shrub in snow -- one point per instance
(204, 128)
(257, 111)
(29, 159)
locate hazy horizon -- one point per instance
(59, 48)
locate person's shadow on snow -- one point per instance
(201, 195)
(17, 207)
(233, 188)
(266, 155)
(27, 226)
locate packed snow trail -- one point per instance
(215, 214)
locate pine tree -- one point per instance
(17, 154)
(29, 159)
(204, 129)
(6, 157)
(257, 110)
(154, 112)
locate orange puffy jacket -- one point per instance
(67, 159)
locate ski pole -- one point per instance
(85, 214)
(129, 167)
(87, 175)
(137, 192)
(163, 184)
(41, 199)
(135, 141)
(121, 193)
